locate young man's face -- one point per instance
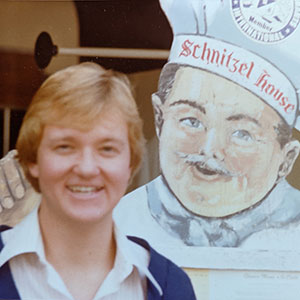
(83, 174)
(218, 147)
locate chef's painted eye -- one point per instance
(191, 122)
(242, 136)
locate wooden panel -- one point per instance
(19, 79)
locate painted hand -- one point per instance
(17, 197)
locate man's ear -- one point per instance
(158, 114)
(33, 170)
(291, 152)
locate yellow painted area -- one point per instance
(200, 281)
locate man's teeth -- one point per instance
(83, 189)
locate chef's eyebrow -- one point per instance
(238, 117)
(191, 103)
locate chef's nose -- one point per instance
(214, 145)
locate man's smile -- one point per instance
(83, 189)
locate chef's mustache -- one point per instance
(211, 164)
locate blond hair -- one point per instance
(76, 96)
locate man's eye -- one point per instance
(63, 147)
(108, 150)
(242, 135)
(191, 122)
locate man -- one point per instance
(224, 112)
(79, 145)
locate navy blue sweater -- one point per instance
(175, 284)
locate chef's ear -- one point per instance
(291, 152)
(158, 113)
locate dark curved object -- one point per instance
(44, 50)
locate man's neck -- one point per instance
(82, 254)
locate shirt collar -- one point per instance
(135, 254)
(26, 237)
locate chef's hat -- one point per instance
(255, 43)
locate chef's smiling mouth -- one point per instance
(204, 169)
(207, 171)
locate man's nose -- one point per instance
(87, 165)
(214, 145)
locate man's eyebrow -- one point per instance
(57, 138)
(193, 104)
(243, 117)
(71, 138)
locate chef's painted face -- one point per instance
(219, 151)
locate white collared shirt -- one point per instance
(36, 279)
